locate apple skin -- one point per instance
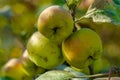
(31, 69)
(55, 23)
(82, 48)
(13, 69)
(43, 52)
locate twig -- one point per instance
(93, 76)
(109, 74)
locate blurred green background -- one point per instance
(18, 20)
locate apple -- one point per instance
(101, 65)
(55, 23)
(13, 69)
(30, 67)
(107, 25)
(82, 48)
(43, 52)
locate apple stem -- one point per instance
(72, 12)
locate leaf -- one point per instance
(59, 2)
(5, 78)
(74, 72)
(55, 75)
(58, 75)
(117, 2)
(72, 3)
(106, 12)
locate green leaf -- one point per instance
(59, 2)
(55, 75)
(74, 72)
(72, 3)
(103, 12)
(61, 75)
(5, 78)
(117, 2)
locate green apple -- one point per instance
(13, 69)
(55, 23)
(43, 52)
(107, 25)
(30, 67)
(101, 65)
(82, 48)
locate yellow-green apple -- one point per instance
(13, 68)
(55, 23)
(101, 65)
(30, 67)
(43, 52)
(107, 25)
(82, 48)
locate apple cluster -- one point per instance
(55, 42)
